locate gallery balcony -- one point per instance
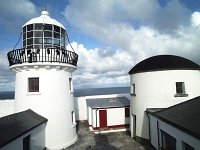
(44, 55)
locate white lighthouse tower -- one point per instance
(44, 78)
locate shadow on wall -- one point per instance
(101, 142)
(145, 130)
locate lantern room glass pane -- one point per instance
(24, 29)
(29, 34)
(56, 35)
(38, 26)
(48, 27)
(63, 31)
(56, 28)
(29, 41)
(47, 40)
(47, 34)
(24, 35)
(29, 27)
(38, 33)
(38, 40)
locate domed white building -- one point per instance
(159, 82)
(44, 78)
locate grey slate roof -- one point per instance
(108, 102)
(18, 124)
(184, 116)
(164, 62)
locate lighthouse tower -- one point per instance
(44, 78)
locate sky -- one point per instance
(110, 36)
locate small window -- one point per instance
(73, 118)
(187, 146)
(180, 88)
(33, 84)
(127, 112)
(168, 141)
(70, 84)
(132, 90)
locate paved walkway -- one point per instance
(87, 140)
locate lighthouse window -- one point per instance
(70, 84)
(56, 35)
(29, 41)
(47, 34)
(29, 27)
(38, 26)
(47, 41)
(29, 34)
(57, 29)
(33, 84)
(38, 33)
(48, 27)
(38, 40)
(63, 31)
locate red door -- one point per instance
(103, 118)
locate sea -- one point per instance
(79, 92)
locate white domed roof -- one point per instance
(44, 19)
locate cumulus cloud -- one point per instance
(15, 12)
(7, 77)
(133, 32)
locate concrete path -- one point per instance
(87, 140)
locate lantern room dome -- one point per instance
(44, 19)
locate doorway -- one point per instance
(26, 143)
(103, 118)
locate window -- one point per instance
(70, 84)
(73, 118)
(168, 142)
(127, 112)
(33, 84)
(187, 146)
(180, 89)
(132, 90)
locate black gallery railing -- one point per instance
(49, 55)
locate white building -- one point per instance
(108, 113)
(44, 78)
(176, 127)
(81, 95)
(22, 131)
(159, 82)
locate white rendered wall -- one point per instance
(156, 90)
(81, 105)
(6, 107)
(37, 140)
(115, 117)
(176, 133)
(54, 102)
